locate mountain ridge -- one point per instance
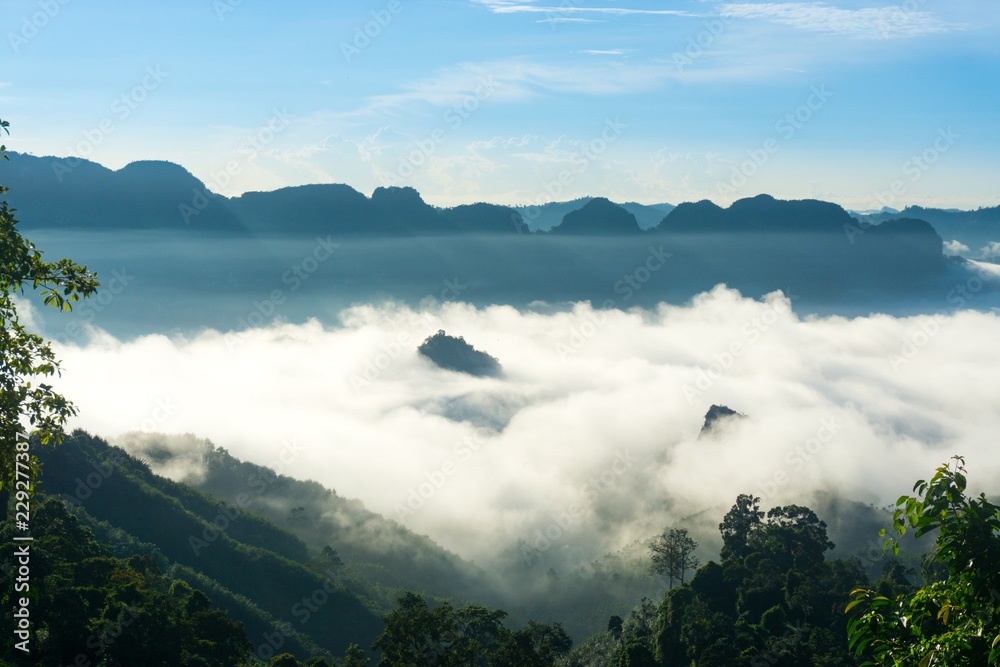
(65, 193)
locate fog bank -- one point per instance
(589, 439)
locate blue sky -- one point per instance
(523, 102)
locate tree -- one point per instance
(25, 357)
(332, 558)
(636, 654)
(672, 554)
(773, 620)
(550, 637)
(797, 532)
(950, 622)
(285, 660)
(417, 635)
(518, 648)
(615, 626)
(355, 657)
(740, 526)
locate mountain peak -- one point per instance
(149, 173)
(454, 354)
(717, 414)
(598, 216)
(394, 194)
(762, 213)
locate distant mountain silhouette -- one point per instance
(486, 218)
(874, 211)
(915, 242)
(701, 216)
(760, 213)
(647, 215)
(547, 216)
(908, 246)
(402, 211)
(976, 229)
(598, 216)
(76, 193)
(311, 209)
(454, 354)
(71, 193)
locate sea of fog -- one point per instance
(592, 433)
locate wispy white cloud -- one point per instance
(515, 80)
(566, 19)
(500, 7)
(867, 23)
(956, 247)
(509, 142)
(991, 251)
(604, 52)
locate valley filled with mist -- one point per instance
(286, 366)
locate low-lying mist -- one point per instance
(590, 438)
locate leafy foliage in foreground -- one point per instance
(954, 620)
(772, 600)
(26, 359)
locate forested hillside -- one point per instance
(262, 575)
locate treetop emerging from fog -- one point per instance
(454, 354)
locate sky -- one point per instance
(522, 102)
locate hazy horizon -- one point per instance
(543, 198)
